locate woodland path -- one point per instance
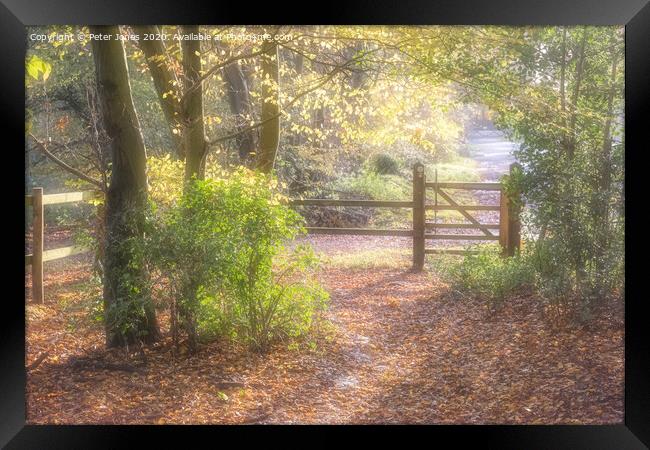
(493, 154)
(400, 348)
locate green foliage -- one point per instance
(165, 176)
(376, 187)
(572, 292)
(125, 272)
(37, 68)
(307, 170)
(488, 275)
(370, 185)
(559, 92)
(220, 249)
(384, 164)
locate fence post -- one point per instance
(514, 220)
(418, 216)
(37, 244)
(504, 222)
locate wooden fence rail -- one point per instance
(420, 231)
(360, 231)
(366, 203)
(508, 226)
(465, 186)
(38, 256)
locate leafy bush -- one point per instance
(306, 170)
(578, 226)
(373, 186)
(369, 185)
(165, 176)
(571, 292)
(490, 276)
(219, 248)
(384, 164)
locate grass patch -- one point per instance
(386, 258)
(487, 275)
(458, 169)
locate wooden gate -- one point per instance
(508, 225)
(422, 230)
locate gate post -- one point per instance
(514, 226)
(504, 221)
(509, 220)
(37, 244)
(418, 216)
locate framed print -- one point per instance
(387, 214)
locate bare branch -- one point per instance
(297, 97)
(217, 67)
(64, 165)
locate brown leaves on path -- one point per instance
(400, 349)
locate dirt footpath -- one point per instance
(401, 348)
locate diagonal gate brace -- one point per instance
(461, 210)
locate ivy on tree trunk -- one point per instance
(270, 131)
(129, 311)
(194, 133)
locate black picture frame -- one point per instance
(634, 14)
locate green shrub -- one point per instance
(490, 276)
(578, 228)
(373, 186)
(369, 185)
(572, 287)
(384, 164)
(220, 248)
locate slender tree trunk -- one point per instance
(603, 192)
(563, 79)
(28, 184)
(359, 75)
(297, 137)
(563, 72)
(570, 188)
(604, 184)
(129, 312)
(165, 81)
(576, 95)
(270, 131)
(564, 140)
(240, 105)
(606, 175)
(194, 134)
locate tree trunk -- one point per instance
(240, 106)
(165, 82)
(565, 139)
(28, 184)
(270, 130)
(129, 312)
(359, 75)
(576, 95)
(606, 176)
(601, 204)
(297, 138)
(194, 133)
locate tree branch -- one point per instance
(217, 67)
(326, 80)
(64, 165)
